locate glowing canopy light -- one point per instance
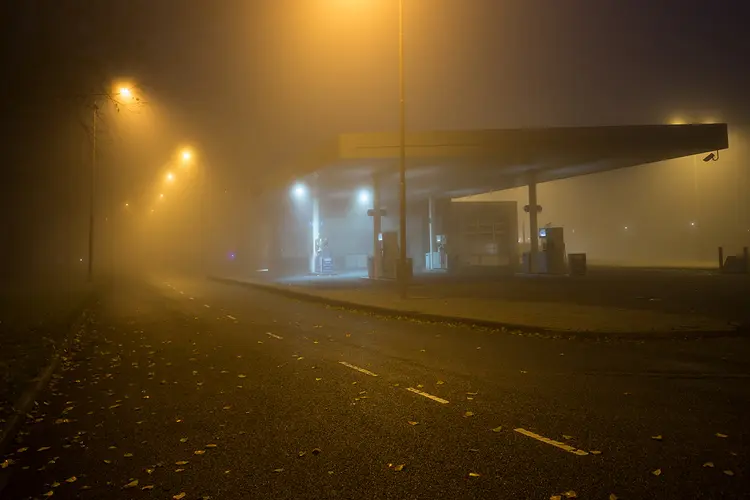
(364, 196)
(299, 190)
(125, 92)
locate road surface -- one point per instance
(183, 388)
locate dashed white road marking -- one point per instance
(231, 317)
(554, 443)
(206, 306)
(274, 336)
(429, 396)
(361, 370)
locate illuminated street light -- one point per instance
(299, 191)
(170, 177)
(125, 92)
(364, 197)
(161, 195)
(127, 205)
(186, 155)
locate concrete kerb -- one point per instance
(24, 403)
(486, 324)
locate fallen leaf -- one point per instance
(316, 451)
(555, 497)
(440, 382)
(183, 440)
(657, 437)
(44, 448)
(128, 455)
(474, 450)
(412, 422)
(181, 462)
(656, 472)
(318, 379)
(729, 473)
(85, 487)
(131, 484)
(474, 474)
(720, 435)
(148, 487)
(595, 452)
(612, 496)
(708, 464)
(199, 452)
(55, 484)
(565, 436)
(71, 479)
(472, 393)
(469, 414)
(419, 386)
(241, 376)
(107, 461)
(278, 470)
(301, 454)
(498, 428)
(570, 494)
(179, 470)
(399, 468)
(49, 494)
(179, 496)
(21, 450)
(211, 445)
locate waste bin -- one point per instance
(577, 264)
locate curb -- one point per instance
(739, 331)
(24, 403)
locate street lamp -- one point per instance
(125, 92)
(170, 177)
(403, 278)
(186, 155)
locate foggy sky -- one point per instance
(253, 84)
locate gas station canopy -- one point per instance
(465, 162)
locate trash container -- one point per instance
(577, 264)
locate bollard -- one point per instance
(721, 258)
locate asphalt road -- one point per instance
(196, 388)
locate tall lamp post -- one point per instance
(124, 92)
(403, 276)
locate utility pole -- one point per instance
(403, 277)
(92, 190)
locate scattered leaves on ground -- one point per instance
(199, 452)
(181, 462)
(570, 494)
(474, 474)
(183, 440)
(656, 472)
(278, 470)
(131, 484)
(469, 414)
(179, 496)
(708, 464)
(658, 437)
(720, 435)
(595, 452)
(412, 422)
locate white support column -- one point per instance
(533, 224)
(315, 229)
(430, 217)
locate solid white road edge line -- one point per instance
(554, 443)
(430, 396)
(361, 370)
